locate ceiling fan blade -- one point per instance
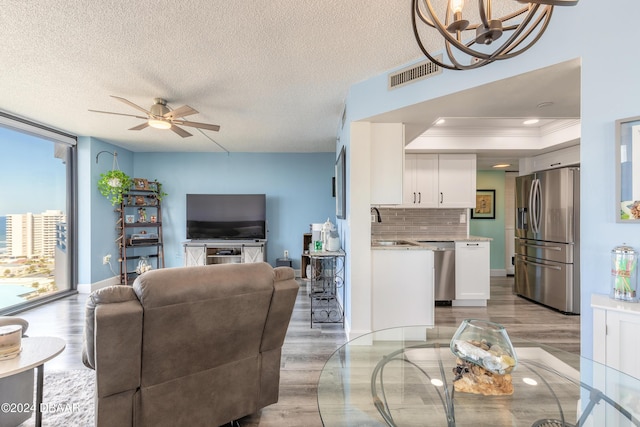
(119, 114)
(126, 101)
(183, 133)
(183, 111)
(197, 125)
(140, 126)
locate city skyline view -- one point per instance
(34, 181)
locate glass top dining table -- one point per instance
(404, 377)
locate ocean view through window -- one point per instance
(35, 197)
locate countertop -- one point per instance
(414, 243)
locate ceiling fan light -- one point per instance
(159, 124)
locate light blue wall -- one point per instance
(96, 217)
(494, 228)
(609, 91)
(298, 189)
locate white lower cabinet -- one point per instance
(207, 253)
(402, 291)
(615, 334)
(472, 273)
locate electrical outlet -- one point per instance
(463, 218)
(373, 218)
(286, 254)
(106, 259)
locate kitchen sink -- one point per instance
(392, 243)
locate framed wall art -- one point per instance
(485, 205)
(628, 170)
(341, 186)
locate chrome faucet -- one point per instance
(378, 218)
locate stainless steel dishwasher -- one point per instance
(444, 261)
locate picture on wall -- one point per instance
(341, 186)
(485, 205)
(627, 170)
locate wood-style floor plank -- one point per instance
(306, 349)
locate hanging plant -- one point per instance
(114, 184)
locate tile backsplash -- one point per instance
(399, 223)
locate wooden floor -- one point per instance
(306, 349)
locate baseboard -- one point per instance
(498, 272)
(84, 288)
(469, 303)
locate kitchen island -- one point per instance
(403, 272)
(402, 284)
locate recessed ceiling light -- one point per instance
(501, 165)
(440, 121)
(530, 122)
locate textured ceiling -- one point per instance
(274, 75)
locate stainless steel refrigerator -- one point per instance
(547, 261)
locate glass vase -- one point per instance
(485, 344)
(624, 261)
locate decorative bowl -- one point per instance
(485, 344)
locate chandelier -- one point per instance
(473, 45)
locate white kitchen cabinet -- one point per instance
(555, 159)
(472, 273)
(421, 180)
(615, 329)
(387, 163)
(440, 181)
(457, 180)
(402, 291)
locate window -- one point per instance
(37, 214)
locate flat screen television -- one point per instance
(226, 216)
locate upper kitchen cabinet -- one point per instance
(421, 180)
(440, 181)
(457, 180)
(387, 163)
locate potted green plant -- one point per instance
(113, 184)
(157, 190)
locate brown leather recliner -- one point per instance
(197, 346)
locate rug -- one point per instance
(67, 399)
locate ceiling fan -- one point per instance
(160, 116)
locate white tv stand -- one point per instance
(207, 252)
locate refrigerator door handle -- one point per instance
(531, 214)
(551, 248)
(536, 206)
(539, 264)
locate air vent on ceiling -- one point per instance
(416, 72)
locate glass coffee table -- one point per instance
(404, 377)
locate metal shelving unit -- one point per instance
(327, 290)
(140, 231)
